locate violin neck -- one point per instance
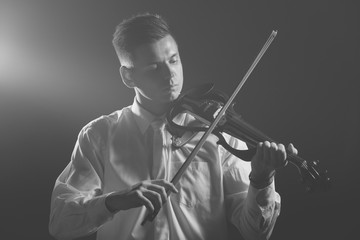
(242, 130)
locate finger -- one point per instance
(266, 150)
(282, 155)
(167, 185)
(160, 190)
(273, 153)
(144, 201)
(259, 150)
(153, 196)
(292, 149)
(156, 205)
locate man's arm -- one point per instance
(252, 207)
(77, 205)
(79, 208)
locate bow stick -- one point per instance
(220, 115)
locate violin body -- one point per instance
(215, 111)
(204, 103)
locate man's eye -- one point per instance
(173, 60)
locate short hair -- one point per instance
(136, 31)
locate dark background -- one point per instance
(58, 71)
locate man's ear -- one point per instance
(126, 76)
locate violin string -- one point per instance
(247, 127)
(253, 136)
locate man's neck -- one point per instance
(155, 108)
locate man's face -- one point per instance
(157, 72)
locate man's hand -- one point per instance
(151, 194)
(268, 158)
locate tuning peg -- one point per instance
(315, 163)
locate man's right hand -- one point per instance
(150, 193)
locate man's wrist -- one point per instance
(260, 182)
(109, 200)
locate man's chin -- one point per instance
(171, 96)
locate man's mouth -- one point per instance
(170, 88)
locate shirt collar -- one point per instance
(143, 117)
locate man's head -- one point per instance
(149, 58)
(136, 31)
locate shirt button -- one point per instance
(176, 142)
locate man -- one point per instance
(122, 163)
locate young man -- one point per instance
(122, 163)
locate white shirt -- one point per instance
(114, 152)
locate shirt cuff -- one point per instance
(264, 204)
(100, 212)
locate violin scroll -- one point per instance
(315, 179)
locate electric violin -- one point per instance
(216, 113)
(204, 103)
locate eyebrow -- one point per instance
(156, 62)
(174, 55)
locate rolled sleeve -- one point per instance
(253, 211)
(264, 206)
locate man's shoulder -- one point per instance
(104, 122)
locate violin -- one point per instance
(215, 110)
(204, 103)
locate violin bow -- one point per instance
(185, 165)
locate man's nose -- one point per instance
(167, 71)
